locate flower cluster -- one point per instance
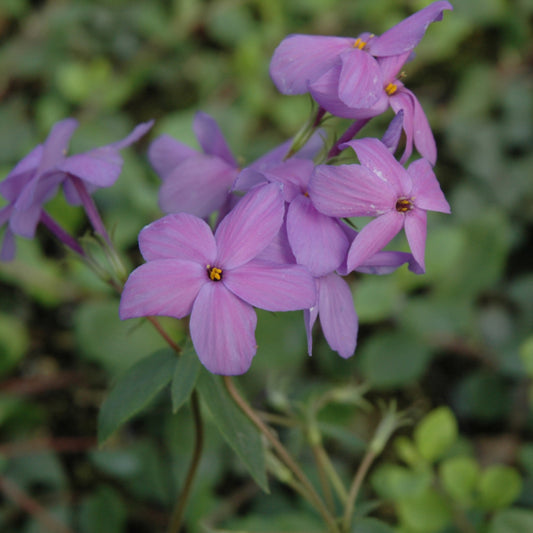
(282, 240)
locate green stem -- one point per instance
(179, 510)
(285, 456)
(355, 487)
(334, 479)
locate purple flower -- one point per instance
(316, 240)
(194, 182)
(217, 279)
(36, 178)
(337, 315)
(345, 71)
(379, 187)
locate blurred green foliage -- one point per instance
(455, 343)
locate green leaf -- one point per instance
(134, 390)
(103, 511)
(238, 431)
(515, 520)
(395, 482)
(499, 486)
(371, 525)
(426, 513)
(459, 477)
(185, 376)
(436, 433)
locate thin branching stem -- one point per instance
(284, 455)
(358, 479)
(179, 510)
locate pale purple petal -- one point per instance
(39, 190)
(100, 167)
(337, 314)
(134, 136)
(325, 92)
(250, 226)
(56, 145)
(272, 286)
(272, 158)
(387, 261)
(24, 222)
(391, 137)
(426, 191)
(360, 79)
(373, 237)
(408, 33)
(391, 66)
(248, 178)
(279, 249)
(422, 134)
(211, 139)
(317, 240)
(17, 179)
(179, 236)
(300, 59)
(375, 156)
(7, 250)
(199, 185)
(166, 287)
(349, 190)
(165, 154)
(402, 102)
(415, 231)
(294, 174)
(222, 329)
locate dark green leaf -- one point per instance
(134, 390)
(238, 431)
(185, 376)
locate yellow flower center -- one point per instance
(403, 205)
(391, 88)
(214, 273)
(359, 43)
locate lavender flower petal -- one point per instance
(250, 226)
(373, 237)
(337, 314)
(222, 329)
(300, 59)
(272, 286)
(180, 236)
(211, 139)
(317, 241)
(166, 287)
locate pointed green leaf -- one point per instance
(238, 431)
(185, 375)
(134, 390)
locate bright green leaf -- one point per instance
(436, 433)
(185, 376)
(238, 431)
(134, 390)
(459, 477)
(425, 513)
(499, 486)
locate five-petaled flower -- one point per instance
(380, 187)
(217, 279)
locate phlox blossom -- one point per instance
(383, 188)
(36, 178)
(217, 279)
(343, 74)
